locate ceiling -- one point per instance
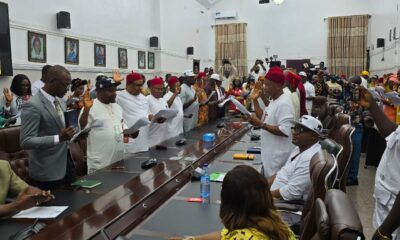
(208, 3)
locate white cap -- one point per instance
(215, 77)
(303, 74)
(188, 73)
(310, 123)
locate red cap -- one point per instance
(133, 76)
(293, 79)
(275, 74)
(156, 81)
(343, 76)
(201, 74)
(380, 80)
(172, 80)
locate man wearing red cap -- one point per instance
(158, 131)
(292, 91)
(276, 136)
(175, 127)
(135, 106)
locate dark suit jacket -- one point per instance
(39, 124)
(214, 111)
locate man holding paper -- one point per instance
(190, 101)
(158, 131)
(25, 196)
(175, 127)
(274, 121)
(105, 144)
(135, 107)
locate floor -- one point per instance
(362, 196)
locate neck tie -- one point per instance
(59, 111)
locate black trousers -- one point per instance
(70, 176)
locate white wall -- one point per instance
(294, 30)
(385, 16)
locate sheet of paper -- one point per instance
(394, 98)
(95, 124)
(240, 106)
(217, 177)
(165, 113)
(13, 117)
(41, 212)
(211, 95)
(221, 104)
(374, 93)
(139, 123)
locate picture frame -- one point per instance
(37, 51)
(141, 59)
(99, 55)
(150, 60)
(71, 51)
(122, 58)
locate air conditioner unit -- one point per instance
(225, 15)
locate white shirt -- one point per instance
(175, 127)
(257, 75)
(310, 92)
(295, 102)
(134, 108)
(276, 149)
(364, 82)
(36, 86)
(158, 132)
(293, 180)
(187, 95)
(105, 144)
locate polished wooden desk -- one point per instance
(128, 194)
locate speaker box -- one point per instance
(6, 68)
(189, 51)
(154, 42)
(63, 20)
(380, 42)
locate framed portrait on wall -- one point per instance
(141, 60)
(71, 51)
(36, 47)
(122, 58)
(150, 59)
(99, 55)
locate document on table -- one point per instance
(240, 106)
(41, 212)
(217, 177)
(139, 123)
(165, 113)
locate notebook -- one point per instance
(86, 183)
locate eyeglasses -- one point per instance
(298, 129)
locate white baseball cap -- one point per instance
(303, 74)
(310, 123)
(188, 73)
(215, 76)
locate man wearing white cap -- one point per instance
(292, 182)
(220, 93)
(189, 100)
(310, 91)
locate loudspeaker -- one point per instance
(63, 20)
(263, 1)
(6, 68)
(154, 42)
(380, 42)
(189, 51)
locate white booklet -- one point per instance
(95, 124)
(394, 98)
(211, 95)
(221, 104)
(41, 212)
(139, 123)
(165, 113)
(239, 106)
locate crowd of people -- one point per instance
(282, 102)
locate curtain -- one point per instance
(230, 43)
(347, 44)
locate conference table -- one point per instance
(133, 203)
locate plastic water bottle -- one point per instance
(205, 185)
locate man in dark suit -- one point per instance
(44, 134)
(214, 110)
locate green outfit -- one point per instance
(10, 184)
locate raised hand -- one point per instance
(366, 97)
(8, 96)
(87, 101)
(117, 75)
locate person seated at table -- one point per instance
(292, 182)
(158, 131)
(12, 186)
(18, 94)
(247, 209)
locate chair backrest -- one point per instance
(320, 108)
(322, 167)
(345, 224)
(321, 221)
(338, 120)
(343, 137)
